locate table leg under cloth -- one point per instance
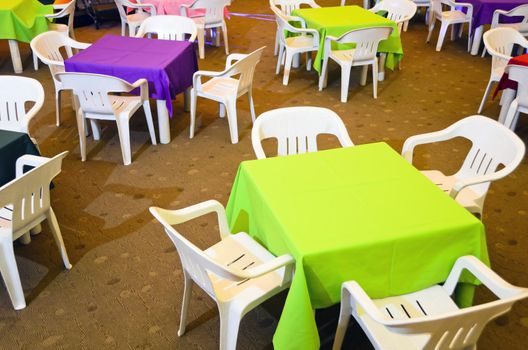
(163, 116)
(477, 38)
(15, 56)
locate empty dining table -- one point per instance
(357, 213)
(21, 21)
(168, 66)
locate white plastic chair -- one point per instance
(399, 11)
(522, 26)
(225, 87)
(364, 54)
(304, 40)
(47, 47)
(428, 319)
(15, 93)
(447, 18)
(133, 20)
(499, 42)
(421, 4)
(520, 103)
(237, 272)
(169, 28)
(286, 7)
(296, 129)
(493, 145)
(97, 101)
(24, 204)
(213, 19)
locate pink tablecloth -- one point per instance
(172, 7)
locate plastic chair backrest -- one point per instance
(493, 144)
(296, 129)
(47, 47)
(245, 68)
(29, 194)
(287, 6)
(397, 10)
(66, 10)
(92, 90)
(122, 7)
(436, 6)
(519, 11)
(214, 10)
(520, 75)
(15, 92)
(366, 40)
(500, 42)
(168, 27)
(194, 261)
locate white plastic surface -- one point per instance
(226, 86)
(237, 272)
(25, 203)
(520, 103)
(399, 11)
(133, 20)
(296, 129)
(169, 27)
(454, 16)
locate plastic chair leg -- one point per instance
(375, 79)
(232, 119)
(123, 129)
(81, 126)
(229, 325)
(150, 122)
(55, 231)
(251, 106)
(485, 97)
(345, 80)
(58, 104)
(193, 113)
(287, 67)
(9, 270)
(309, 61)
(342, 324)
(513, 114)
(226, 42)
(324, 74)
(276, 49)
(187, 292)
(35, 62)
(221, 110)
(123, 28)
(279, 59)
(441, 36)
(201, 42)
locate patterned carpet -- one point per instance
(125, 288)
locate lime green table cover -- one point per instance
(336, 21)
(360, 213)
(22, 20)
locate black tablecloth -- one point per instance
(12, 146)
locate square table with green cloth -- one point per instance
(336, 21)
(360, 213)
(22, 20)
(12, 146)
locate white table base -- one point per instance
(163, 116)
(477, 38)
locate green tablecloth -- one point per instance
(22, 20)
(336, 21)
(360, 213)
(12, 146)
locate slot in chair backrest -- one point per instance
(92, 90)
(296, 129)
(499, 43)
(245, 69)
(214, 10)
(15, 93)
(366, 41)
(398, 11)
(29, 194)
(520, 75)
(194, 261)
(288, 6)
(519, 11)
(493, 144)
(169, 27)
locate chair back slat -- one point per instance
(169, 27)
(28, 196)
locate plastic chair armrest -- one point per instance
(78, 45)
(234, 57)
(461, 184)
(197, 77)
(484, 274)
(28, 160)
(352, 290)
(142, 84)
(416, 140)
(174, 217)
(265, 268)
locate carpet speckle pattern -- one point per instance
(125, 288)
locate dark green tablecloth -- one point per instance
(12, 146)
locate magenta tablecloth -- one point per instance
(167, 65)
(483, 10)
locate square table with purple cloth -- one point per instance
(167, 65)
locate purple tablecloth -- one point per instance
(167, 65)
(483, 10)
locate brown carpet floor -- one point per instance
(125, 288)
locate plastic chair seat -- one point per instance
(454, 16)
(240, 251)
(431, 301)
(347, 57)
(299, 42)
(467, 197)
(219, 89)
(137, 17)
